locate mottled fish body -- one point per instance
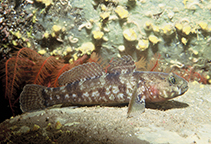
(88, 84)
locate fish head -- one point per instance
(164, 86)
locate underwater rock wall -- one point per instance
(178, 30)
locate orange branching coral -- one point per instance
(141, 64)
(95, 58)
(152, 65)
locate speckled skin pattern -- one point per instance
(105, 89)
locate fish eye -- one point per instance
(172, 80)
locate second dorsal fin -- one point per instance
(88, 70)
(122, 65)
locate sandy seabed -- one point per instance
(185, 119)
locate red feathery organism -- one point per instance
(154, 63)
(44, 69)
(14, 68)
(81, 60)
(28, 67)
(106, 67)
(190, 74)
(193, 75)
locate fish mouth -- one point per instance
(184, 89)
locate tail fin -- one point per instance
(31, 98)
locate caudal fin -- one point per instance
(31, 98)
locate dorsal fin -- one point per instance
(122, 65)
(88, 70)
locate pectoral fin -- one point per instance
(136, 104)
